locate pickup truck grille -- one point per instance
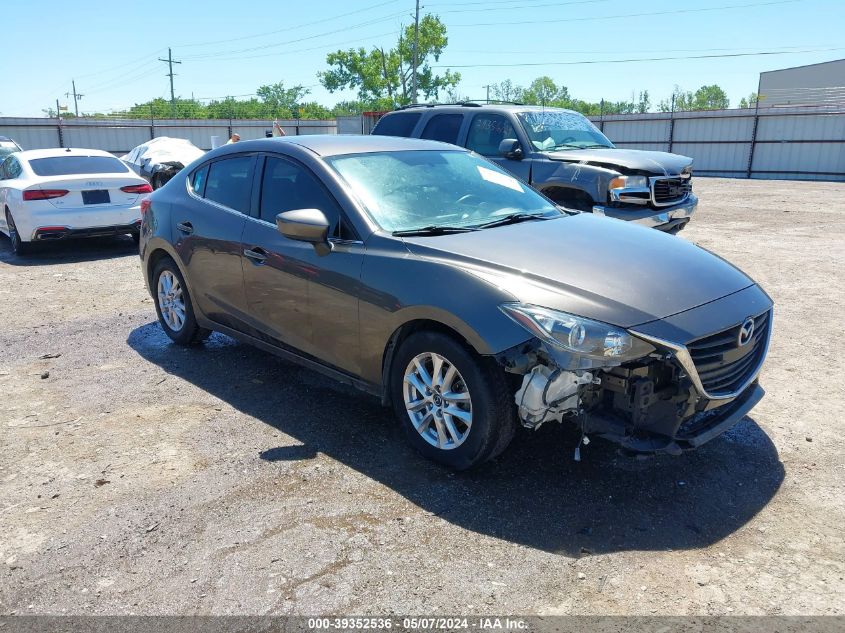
(666, 191)
(723, 364)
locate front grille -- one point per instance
(666, 191)
(722, 364)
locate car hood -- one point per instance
(657, 163)
(596, 267)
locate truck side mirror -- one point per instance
(510, 148)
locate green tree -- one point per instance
(507, 91)
(281, 102)
(750, 102)
(544, 91)
(705, 98)
(378, 74)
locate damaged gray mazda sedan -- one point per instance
(464, 299)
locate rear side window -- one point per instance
(399, 124)
(487, 131)
(77, 165)
(443, 127)
(230, 182)
(198, 180)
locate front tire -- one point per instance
(19, 247)
(454, 405)
(173, 305)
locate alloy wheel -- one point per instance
(171, 300)
(437, 400)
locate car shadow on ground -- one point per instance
(535, 494)
(69, 251)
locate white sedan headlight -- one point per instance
(578, 335)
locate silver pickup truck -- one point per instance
(564, 156)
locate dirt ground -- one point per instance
(138, 477)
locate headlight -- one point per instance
(578, 335)
(629, 182)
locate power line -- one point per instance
(520, 7)
(296, 41)
(290, 28)
(639, 59)
(626, 15)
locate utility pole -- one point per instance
(416, 46)
(488, 92)
(76, 96)
(170, 61)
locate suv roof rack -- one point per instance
(466, 104)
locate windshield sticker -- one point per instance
(540, 121)
(499, 179)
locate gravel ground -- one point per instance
(138, 477)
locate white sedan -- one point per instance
(50, 194)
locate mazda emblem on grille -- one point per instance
(746, 331)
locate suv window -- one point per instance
(11, 168)
(443, 127)
(399, 124)
(230, 182)
(487, 131)
(286, 186)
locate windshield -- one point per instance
(409, 190)
(560, 130)
(5, 150)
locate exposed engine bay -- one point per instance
(647, 405)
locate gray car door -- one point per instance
(207, 235)
(295, 296)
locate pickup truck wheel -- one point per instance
(19, 247)
(453, 404)
(173, 305)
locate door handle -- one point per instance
(185, 227)
(257, 255)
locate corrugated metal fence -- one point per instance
(121, 135)
(802, 143)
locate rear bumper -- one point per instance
(96, 220)
(53, 233)
(670, 219)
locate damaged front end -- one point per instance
(647, 394)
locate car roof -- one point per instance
(476, 107)
(6, 138)
(61, 151)
(337, 144)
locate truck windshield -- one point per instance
(551, 130)
(408, 190)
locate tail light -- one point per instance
(144, 188)
(145, 205)
(44, 194)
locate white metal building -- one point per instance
(813, 85)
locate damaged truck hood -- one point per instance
(658, 163)
(599, 268)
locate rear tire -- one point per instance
(173, 305)
(19, 247)
(454, 405)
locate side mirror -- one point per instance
(306, 225)
(510, 148)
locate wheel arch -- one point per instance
(405, 330)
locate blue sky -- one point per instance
(228, 48)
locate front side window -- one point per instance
(412, 189)
(487, 132)
(443, 127)
(77, 165)
(287, 186)
(229, 182)
(561, 130)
